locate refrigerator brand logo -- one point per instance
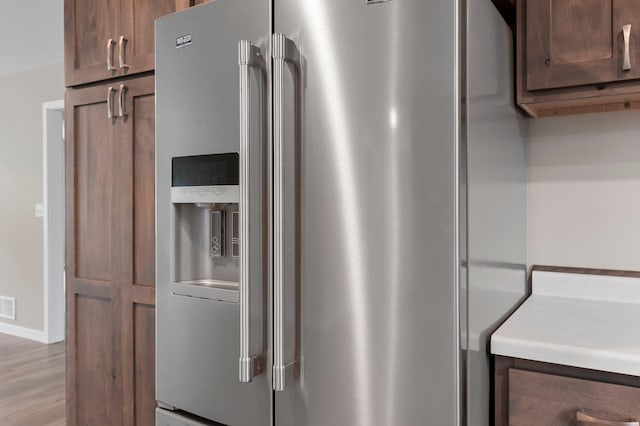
(184, 40)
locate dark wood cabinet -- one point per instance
(110, 209)
(88, 28)
(571, 55)
(106, 39)
(535, 393)
(110, 253)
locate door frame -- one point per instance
(53, 192)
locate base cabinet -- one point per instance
(110, 267)
(529, 393)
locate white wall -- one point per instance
(21, 245)
(31, 34)
(31, 72)
(584, 191)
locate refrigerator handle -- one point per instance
(284, 50)
(250, 365)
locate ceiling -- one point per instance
(31, 34)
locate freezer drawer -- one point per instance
(167, 418)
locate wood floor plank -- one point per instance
(32, 383)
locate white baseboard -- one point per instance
(26, 333)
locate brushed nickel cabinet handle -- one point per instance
(121, 59)
(121, 95)
(110, 113)
(626, 32)
(581, 416)
(250, 365)
(284, 50)
(110, 46)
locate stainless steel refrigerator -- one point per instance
(317, 185)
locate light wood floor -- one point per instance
(32, 383)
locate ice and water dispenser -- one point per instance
(206, 244)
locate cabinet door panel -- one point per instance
(88, 25)
(144, 364)
(550, 400)
(91, 182)
(138, 251)
(93, 168)
(578, 42)
(92, 244)
(144, 272)
(581, 31)
(93, 365)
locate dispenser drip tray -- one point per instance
(223, 291)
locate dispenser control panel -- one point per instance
(212, 178)
(205, 170)
(217, 243)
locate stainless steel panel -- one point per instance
(496, 195)
(198, 340)
(191, 245)
(371, 181)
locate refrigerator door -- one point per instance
(198, 297)
(368, 240)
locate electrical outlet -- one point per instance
(39, 210)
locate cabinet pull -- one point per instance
(110, 45)
(110, 113)
(121, 95)
(581, 416)
(626, 32)
(121, 44)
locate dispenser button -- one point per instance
(235, 236)
(217, 233)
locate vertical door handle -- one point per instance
(121, 45)
(121, 100)
(110, 46)
(250, 365)
(110, 113)
(626, 33)
(581, 416)
(284, 50)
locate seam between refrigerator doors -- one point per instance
(459, 124)
(269, 367)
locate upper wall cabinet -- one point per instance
(578, 56)
(106, 39)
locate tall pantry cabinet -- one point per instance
(110, 217)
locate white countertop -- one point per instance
(587, 321)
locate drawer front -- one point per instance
(549, 400)
(169, 418)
